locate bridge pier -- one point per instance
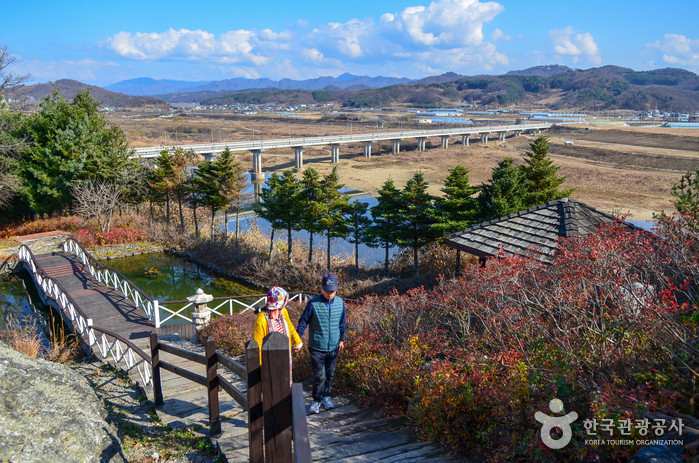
(298, 158)
(334, 154)
(465, 140)
(396, 146)
(421, 143)
(501, 136)
(208, 156)
(256, 173)
(367, 149)
(484, 138)
(257, 186)
(445, 141)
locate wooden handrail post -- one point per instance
(155, 365)
(212, 387)
(252, 362)
(302, 446)
(276, 398)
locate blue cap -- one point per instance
(329, 282)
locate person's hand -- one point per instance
(298, 347)
(342, 346)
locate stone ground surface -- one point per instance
(133, 413)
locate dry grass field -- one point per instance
(627, 171)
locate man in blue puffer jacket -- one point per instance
(324, 316)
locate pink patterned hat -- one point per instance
(277, 298)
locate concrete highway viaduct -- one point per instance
(257, 147)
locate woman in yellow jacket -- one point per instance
(274, 317)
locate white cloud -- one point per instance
(569, 42)
(349, 39)
(313, 54)
(445, 35)
(678, 50)
(449, 32)
(443, 23)
(499, 35)
(232, 46)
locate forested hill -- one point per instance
(70, 88)
(554, 87)
(608, 87)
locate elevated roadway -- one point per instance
(209, 150)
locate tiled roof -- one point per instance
(535, 229)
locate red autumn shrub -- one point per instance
(609, 327)
(69, 224)
(117, 235)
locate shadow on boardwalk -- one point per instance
(346, 433)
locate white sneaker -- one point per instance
(313, 408)
(327, 403)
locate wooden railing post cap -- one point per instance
(275, 341)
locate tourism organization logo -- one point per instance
(561, 422)
(654, 431)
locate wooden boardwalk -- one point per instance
(107, 307)
(344, 434)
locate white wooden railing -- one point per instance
(116, 280)
(158, 312)
(123, 352)
(226, 305)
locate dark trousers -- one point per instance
(323, 365)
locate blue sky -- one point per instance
(108, 41)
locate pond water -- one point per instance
(339, 247)
(14, 299)
(175, 278)
(20, 301)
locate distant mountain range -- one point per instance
(551, 87)
(148, 86)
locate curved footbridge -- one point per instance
(194, 386)
(481, 133)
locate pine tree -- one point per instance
(309, 205)
(385, 218)
(181, 162)
(686, 194)
(332, 208)
(68, 143)
(279, 205)
(458, 209)
(162, 180)
(540, 174)
(231, 184)
(505, 193)
(417, 218)
(206, 184)
(358, 228)
(268, 208)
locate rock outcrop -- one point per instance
(50, 413)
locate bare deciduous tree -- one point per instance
(98, 199)
(9, 146)
(8, 80)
